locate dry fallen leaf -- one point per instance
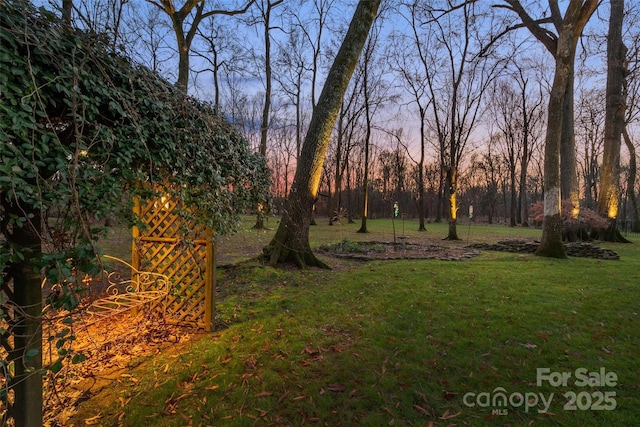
(336, 387)
(448, 416)
(283, 396)
(310, 351)
(422, 410)
(92, 421)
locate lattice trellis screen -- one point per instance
(181, 250)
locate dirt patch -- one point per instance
(110, 349)
(573, 249)
(376, 250)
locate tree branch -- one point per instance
(233, 12)
(546, 37)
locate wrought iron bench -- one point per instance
(118, 294)
(122, 295)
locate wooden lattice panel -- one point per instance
(182, 251)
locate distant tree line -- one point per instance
(462, 85)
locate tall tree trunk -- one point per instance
(513, 207)
(523, 197)
(614, 116)
(631, 182)
(335, 206)
(503, 184)
(25, 303)
(184, 45)
(452, 184)
(365, 187)
(216, 82)
(421, 208)
(551, 243)
(562, 47)
(67, 10)
(569, 31)
(569, 186)
(298, 118)
(421, 203)
(367, 139)
(264, 125)
(291, 241)
(440, 196)
(348, 174)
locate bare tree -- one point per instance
(609, 197)
(105, 17)
(531, 111)
(504, 105)
(590, 117)
(367, 89)
(517, 115)
(460, 71)
(299, 56)
(313, 31)
(281, 155)
(292, 69)
(299, 61)
(148, 39)
(223, 55)
(539, 29)
(244, 110)
(348, 132)
(185, 21)
(409, 60)
(632, 86)
(490, 170)
(266, 9)
(291, 241)
(563, 47)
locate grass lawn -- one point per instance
(405, 343)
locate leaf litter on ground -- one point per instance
(111, 348)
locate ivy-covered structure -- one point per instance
(82, 133)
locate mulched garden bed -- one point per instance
(573, 249)
(376, 250)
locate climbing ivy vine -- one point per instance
(83, 131)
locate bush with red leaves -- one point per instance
(587, 218)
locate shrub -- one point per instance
(587, 221)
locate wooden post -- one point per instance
(135, 234)
(135, 254)
(210, 283)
